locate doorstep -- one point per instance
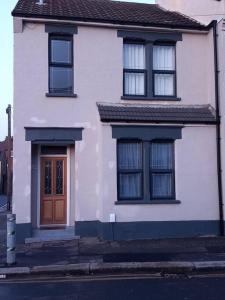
(49, 235)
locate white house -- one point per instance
(115, 121)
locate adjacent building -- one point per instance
(6, 166)
(202, 10)
(115, 121)
(208, 11)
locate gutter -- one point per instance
(213, 25)
(198, 27)
(112, 26)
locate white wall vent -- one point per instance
(112, 218)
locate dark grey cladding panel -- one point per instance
(23, 231)
(54, 143)
(48, 134)
(146, 229)
(87, 228)
(146, 132)
(60, 29)
(150, 36)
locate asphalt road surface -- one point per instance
(116, 288)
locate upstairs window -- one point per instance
(60, 65)
(164, 70)
(134, 69)
(149, 70)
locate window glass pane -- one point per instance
(129, 156)
(134, 56)
(60, 80)
(134, 84)
(161, 156)
(162, 185)
(48, 178)
(130, 185)
(164, 84)
(53, 150)
(59, 177)
(164, 58)
(61, 51)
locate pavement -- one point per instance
(91, 256)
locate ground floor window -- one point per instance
(146, 170)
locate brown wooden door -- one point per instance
(53, 190)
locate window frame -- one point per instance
(127, 171)
(62, 37)
(139, 71)
(146, 174)
(162, 171)
(170, 72)
(150, 72)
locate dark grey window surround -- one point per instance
(150, 36)
(61, 29)
(146, 134)
(149, 39)
(53, 135)
(60, 32)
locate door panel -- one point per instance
(47, 211)
(60, 210)
(53, 190)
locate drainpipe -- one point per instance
(9, 165)
(213, 25)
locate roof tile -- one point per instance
(107, 11)
(157, 113)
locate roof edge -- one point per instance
(197, 27)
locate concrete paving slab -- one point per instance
(50, 239)
(136, 267)
(209, 265)
(78, 269)
(15, 271)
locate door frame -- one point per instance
(67, 155)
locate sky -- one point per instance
(6, 59)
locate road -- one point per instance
(116, 288)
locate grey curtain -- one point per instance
(162, 166)
(129, 160)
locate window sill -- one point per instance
(139, 202)
(140, 98)
(62, 95)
